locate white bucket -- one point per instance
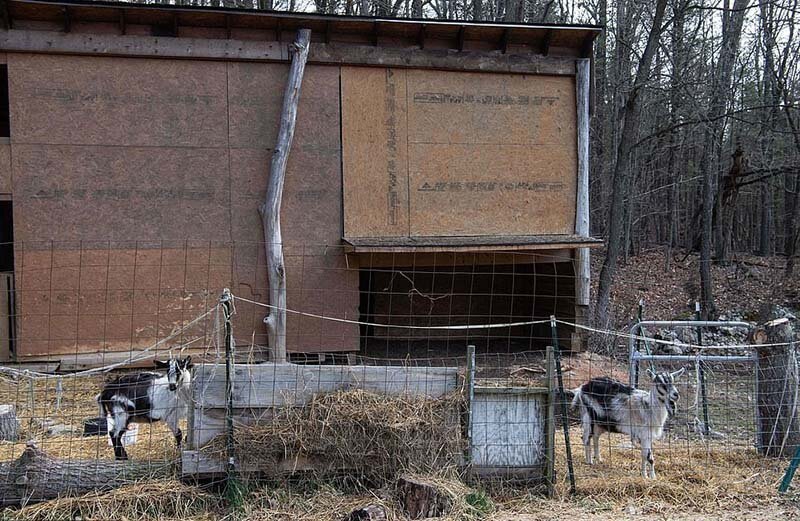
(129, 438)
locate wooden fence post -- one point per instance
(777, 365)
(271, 209)
(552, 396)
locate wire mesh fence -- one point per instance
(382, 381)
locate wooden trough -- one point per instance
(511, 427)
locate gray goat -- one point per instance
(608, 405)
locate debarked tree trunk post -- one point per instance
(778, 426)
(35, 476)
(270, 211)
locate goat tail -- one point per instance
(576, 396)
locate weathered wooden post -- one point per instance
(778, 426)
(582, 267)
(270, 211)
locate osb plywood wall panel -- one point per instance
(80, 192)
(105, 101)
(147, 175)
(375, 152)
(96, 297)
(475, 154)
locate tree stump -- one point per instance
(778, 426)
(367, 513)
(9, 425)
(35, 476)
(420, 499)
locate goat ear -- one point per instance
(187, 362)
(161, 364)
(677, 373)
(651, 373)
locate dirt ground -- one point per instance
(742, 287)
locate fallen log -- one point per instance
(9, 425)
(420, 499)
(36, 476)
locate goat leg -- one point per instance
(596, 440)
(587, 442)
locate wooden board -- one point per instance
(469, 244)
(508, 428)
(485, 154)
(375, 152)
(274, 385)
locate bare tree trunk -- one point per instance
(36, 476)
(778, 387)
(271, 209)
(765, 232)
(622, 170)
(732, 31)
(477, 10)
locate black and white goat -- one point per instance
(147, 397)
(608, 405)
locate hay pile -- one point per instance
(692, 477)
(361, 434)
(327, 503)
(162, 500)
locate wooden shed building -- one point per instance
(431, 159)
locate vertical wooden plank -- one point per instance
(582, 80)
(509, 430)
(550, 420)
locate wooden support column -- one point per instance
(582, 87)
(271, 209)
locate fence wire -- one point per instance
(382, 381)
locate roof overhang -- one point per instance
(468, 244)
(545, 39)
